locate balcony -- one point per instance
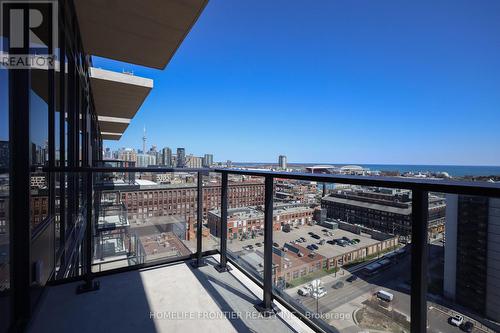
(167, 298)
(141, 268)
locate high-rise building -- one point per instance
(108, 154)
(472, 253)
(4, 154)
(143, 160)
(181, 157)
(193, 161)
(282, 162)
(167, 157)
(144, 141)
(208, 160)
(127, 154)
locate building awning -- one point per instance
(112, 124)
(146, 32)
(117, 97)
(111, 136)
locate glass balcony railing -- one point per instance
(365, 253)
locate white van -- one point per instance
(384, 295)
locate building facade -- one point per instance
(472, 254)
(282, 162)
(245, 220)
(143, 160)
(193, 162)
(167, 157)
(208, 160)
(148, 201)
(181, 157)
(384, 211)
(127, 154)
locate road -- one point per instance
(395, 280)
(391, 280)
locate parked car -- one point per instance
(352, 278)
(302, 239)
(314, 246)
(324, 230)
(315, 236)
(309, 287)
(250, 247)
(456, 320)
(346, 238)
(303, 291)
(309, 247)
(319, 293)
(258, 244)
(276, 245)
(467, 327)
(322, 242)
(332, 242)
(338, 285)
(311, 233)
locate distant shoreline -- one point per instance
(452, 170)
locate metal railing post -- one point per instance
(267, 307)
(223, 267)
(199, 224)
(419, 247)
(89, 284)
(19, 189)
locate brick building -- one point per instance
(383, 209)
(149, 199)
(243, 221)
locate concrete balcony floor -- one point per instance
(147, 300)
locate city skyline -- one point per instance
(117, 147)
(308, 230)
(338, 67)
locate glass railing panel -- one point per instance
(341, 254)
(149, 219)
(211, 203)
(245, 223)
(464, 265)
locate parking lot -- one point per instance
(327, 250)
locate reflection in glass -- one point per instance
(4, 200)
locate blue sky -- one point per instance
(387, 81)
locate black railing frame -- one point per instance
(222, 266)
(199, 262)
(419, 187)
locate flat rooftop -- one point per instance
(171, 298)
(326, 250)
(368, 205)
(253, 212)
